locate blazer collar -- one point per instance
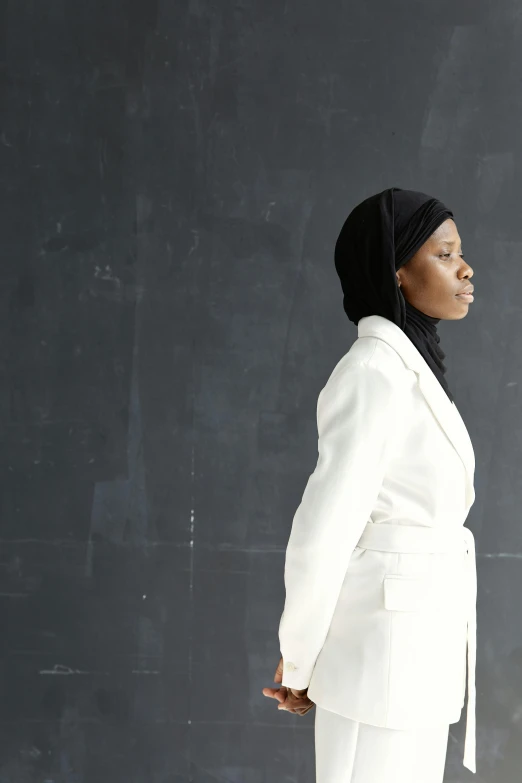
(441, 406)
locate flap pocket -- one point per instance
(404, 593)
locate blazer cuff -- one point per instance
(296, 677)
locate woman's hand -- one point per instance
(289, 699)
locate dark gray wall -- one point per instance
(174, 176)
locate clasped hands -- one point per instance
(290, 699)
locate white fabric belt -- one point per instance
(396, 537)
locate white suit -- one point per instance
(380, 571)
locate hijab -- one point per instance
(379, 236)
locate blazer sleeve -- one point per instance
(360, 414)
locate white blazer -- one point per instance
(377, 616)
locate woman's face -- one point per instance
(432, 278)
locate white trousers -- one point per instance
(347, 751)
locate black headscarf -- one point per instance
(379, 236)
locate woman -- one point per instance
(380, 574)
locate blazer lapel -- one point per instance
(441, 406)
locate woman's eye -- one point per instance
(448, 255)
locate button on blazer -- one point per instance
(392, 448)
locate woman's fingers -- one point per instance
(303, 711)
(295, 703)
(276, 693)
(288, 701)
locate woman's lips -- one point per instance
(466, 297)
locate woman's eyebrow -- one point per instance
(450, 242)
